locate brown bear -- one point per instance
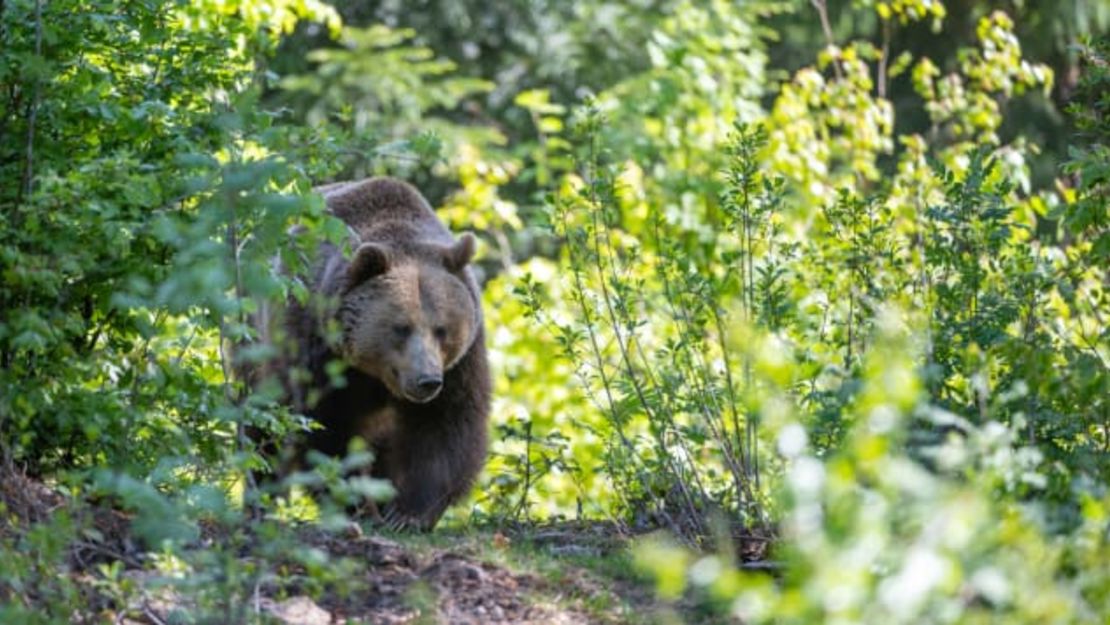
(411, 338)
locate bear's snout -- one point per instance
(424, 388)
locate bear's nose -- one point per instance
(429, 384)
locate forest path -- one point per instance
(567, 574)
(564, 573)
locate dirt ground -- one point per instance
(409, 584)
(476, 577)
(559, 573)
(401, 585)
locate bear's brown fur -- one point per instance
(412, 339)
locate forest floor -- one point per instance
(566, 573)
(560, 575)
(554, 573)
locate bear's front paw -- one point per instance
(398, 521)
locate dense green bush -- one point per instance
(968, 479)
(144, 194)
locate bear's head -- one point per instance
(408, 316)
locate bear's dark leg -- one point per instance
(439, 448)
(432, 466)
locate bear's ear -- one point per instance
(371, 259)
(458, 255)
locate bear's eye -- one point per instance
(441, 333)
(402, 330)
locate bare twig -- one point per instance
(33, 105)
(81, 547)
(152, 615)
(823, 12)
(884, 58)
(241, 438)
